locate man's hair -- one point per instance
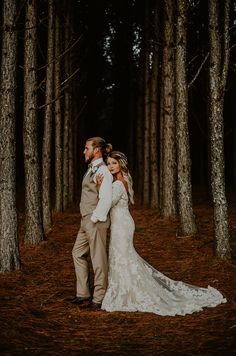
(99, 142)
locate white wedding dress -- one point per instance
(134, 285)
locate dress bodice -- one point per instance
(119, 195)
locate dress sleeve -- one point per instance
(117, 191)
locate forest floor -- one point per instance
(36, 317)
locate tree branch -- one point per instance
(61, 90)
(71, 76)
(50, 103)
(57, 59)
(199, 70)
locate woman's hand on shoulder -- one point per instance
(99, 179)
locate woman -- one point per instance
(133, 284)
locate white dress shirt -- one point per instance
(105, 191)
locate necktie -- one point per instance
(88, 169)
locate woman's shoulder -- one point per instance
(120, 184)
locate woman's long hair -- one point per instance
(122, 159)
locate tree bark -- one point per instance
(66, 114)
(71, 192)
(9, 249)
(146, 145)
(47, 136)
(234, 153)
(33, 205)
(138, 181)
(187, 219)
(168, 166)
(58, 120)
(217, 80)
(154, 174)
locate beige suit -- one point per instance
(91, 239)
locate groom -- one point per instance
(92, 235)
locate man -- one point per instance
(92, 235)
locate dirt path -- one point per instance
(37, 319)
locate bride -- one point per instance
(133, 284)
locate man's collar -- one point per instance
(96, 162)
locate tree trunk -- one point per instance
(66, 114)
(168, 167)
(146, 146)
(47, 136)
(58, 120)
(33, 205)
(234, 154)
(187, 219)
(154, 176)
(217, 79)
(139, 122)
(9, 250)
(71, 192)
(138, 181)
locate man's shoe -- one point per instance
(80, 300)
(95, 305)
(92, 306)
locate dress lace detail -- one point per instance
(134, 285)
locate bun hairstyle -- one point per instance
(99, 142)
(123, 161)
(108, 148)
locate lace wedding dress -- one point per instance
(134, 285)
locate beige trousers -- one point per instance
(91, 238)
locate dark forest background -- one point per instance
(106, 43)
(156, 78)
(147, 76)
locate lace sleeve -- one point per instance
(117, 191)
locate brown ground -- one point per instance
(37, 319)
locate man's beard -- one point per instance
(89, 159)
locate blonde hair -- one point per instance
(123, 162)
(99, 142)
